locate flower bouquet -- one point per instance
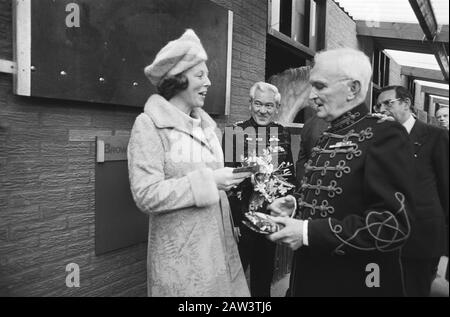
(269, 182)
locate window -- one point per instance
(296, 30)
(380, 76)
(300, 21)
(297, 20)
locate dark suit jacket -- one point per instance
(431, 152)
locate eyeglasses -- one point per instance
(386, 103)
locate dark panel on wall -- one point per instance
(118, 222)
(286, 17)
(280, 57)
(103, 59)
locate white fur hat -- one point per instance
(176, 57)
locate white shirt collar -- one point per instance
(409, 123)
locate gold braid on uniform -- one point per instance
(352, 151)
(376, 229)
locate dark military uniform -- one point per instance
(243, 140)
(356, 194)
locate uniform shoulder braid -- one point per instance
(238, 123)
(349, 118)
(277, 124)
(380, 117)
(280, 128)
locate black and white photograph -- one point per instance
(231, 154)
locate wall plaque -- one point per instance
(113, 148)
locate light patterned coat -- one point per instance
(191, 248)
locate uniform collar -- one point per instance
(350, 117)
(253, 123)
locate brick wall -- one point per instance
(249, 53)
(394, 73)
(340, 28)
(341, 32)
(47, 180)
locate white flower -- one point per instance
(260, 187)
(269, 181)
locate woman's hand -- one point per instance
(226, 179)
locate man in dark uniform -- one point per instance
(246, 139)
(355, 199)
(427, 243)
(311, 132)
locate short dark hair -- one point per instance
(170, 86)
(400, 92)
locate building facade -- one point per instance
(48, 156)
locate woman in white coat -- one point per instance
(177, 177)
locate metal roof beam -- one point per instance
(442, 58)
(435, 91)
(439, 100)
(427, 20)
(423, 73)
(395, 30)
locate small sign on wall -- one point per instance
(113, 148)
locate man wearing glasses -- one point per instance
(248, 138)
(352, 209)
(427, 243)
